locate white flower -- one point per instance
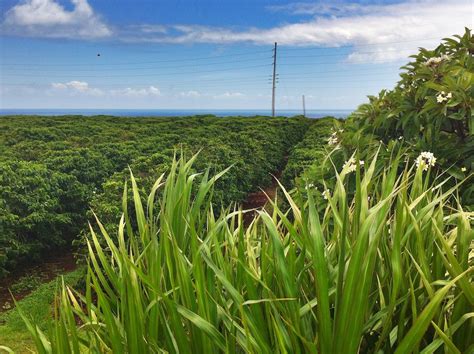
(350, 165)
(443, 96)
(326, 194)
(435, 61)
(333, 140)
(426, 160)
(445, 57)
(400, 137)
(463, 169)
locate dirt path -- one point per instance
(258, 200)
(23, 281)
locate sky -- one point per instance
(212, 54)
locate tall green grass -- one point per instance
(385, 272)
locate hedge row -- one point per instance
(53, 168)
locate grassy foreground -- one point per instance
(38, 306)
(385, 271)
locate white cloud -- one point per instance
(48, 18)
(314, 8)
(411, 24)
(229, 95)
(147, 28)
(408, 25)
(81, 87)
(59, 86)
(76, 87)
(135, 92)
(191, 93)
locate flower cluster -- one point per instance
(425, 160)
(443, 96)
(333, 139)
(326, 194)
(432, 62)
(351, 165)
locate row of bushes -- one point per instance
(313, 147)
(53, 169)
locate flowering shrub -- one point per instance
(430, 109)
(432, 100)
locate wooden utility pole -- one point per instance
(304, 108)
(274, 78)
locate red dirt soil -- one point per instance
(257, 200)
(48, 269)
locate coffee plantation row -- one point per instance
(53, 169)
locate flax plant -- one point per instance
(385, 274)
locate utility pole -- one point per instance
(274, 79)
(304, 108)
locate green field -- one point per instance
(366, 248)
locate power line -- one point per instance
(350, 71)
(306, 87)
(146, 68)
(379, 61)
(219, 56)
(220, 80)
(348, 80)
(318, 74)
(252, 82)
(365, 45)
(345, 54)
(214, 82)
(140, 62)
(148, 74)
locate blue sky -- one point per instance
(211, 54)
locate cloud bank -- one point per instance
(414, 22)
(49, 19)
(76, 87)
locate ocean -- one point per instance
(313, 113)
